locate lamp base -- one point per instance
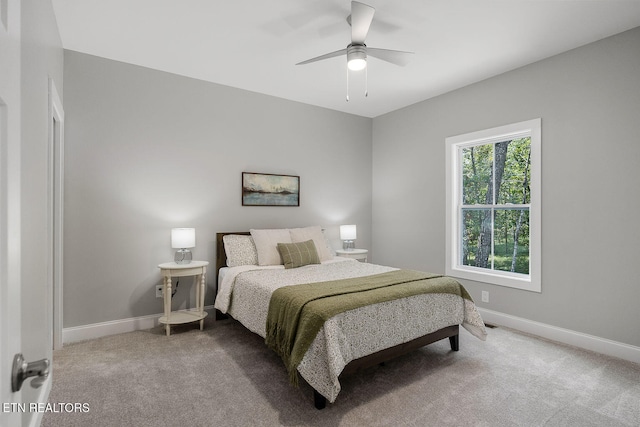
(183, 256)
(348, 245)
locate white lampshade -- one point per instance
(182, 238)
(347, 232)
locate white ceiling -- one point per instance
(254, 44)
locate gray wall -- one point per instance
(42, 58)
(588, 100)
(147, 151)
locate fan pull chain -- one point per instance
(366, 81)
(347, 84)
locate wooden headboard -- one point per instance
(221, 255)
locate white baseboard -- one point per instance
(97, 330)
(565, 336)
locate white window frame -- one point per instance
(454, 144)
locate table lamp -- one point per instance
(183, 239)
(348, 235)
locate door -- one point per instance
(10, 276)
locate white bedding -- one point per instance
(244, 292)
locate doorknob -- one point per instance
(23, 370)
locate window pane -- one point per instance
(476, 237)
(476, 174)
(511, 244)
(516, 174)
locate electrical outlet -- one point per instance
(159, 291)
(485, 296)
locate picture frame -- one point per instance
(265, 189)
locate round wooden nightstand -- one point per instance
(171, 269)
(359, 254)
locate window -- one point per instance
(493, 205)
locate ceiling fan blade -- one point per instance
(396, 57)
(326, 56)
(361, 17)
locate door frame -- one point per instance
(55, 218)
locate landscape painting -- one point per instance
(263, 189)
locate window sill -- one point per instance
(506, 279)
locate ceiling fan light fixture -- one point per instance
(357, 64)
(356, 57)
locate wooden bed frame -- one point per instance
(377, 358)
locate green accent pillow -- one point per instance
(298, 254)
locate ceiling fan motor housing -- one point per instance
(356, 56)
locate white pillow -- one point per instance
(266, 242)
(312, 233)
(240, 250)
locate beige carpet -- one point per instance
(225, 376)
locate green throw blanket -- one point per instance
(296, 313)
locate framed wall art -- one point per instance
(264, 189)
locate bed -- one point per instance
(350, 340)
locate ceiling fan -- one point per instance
(357, 51)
